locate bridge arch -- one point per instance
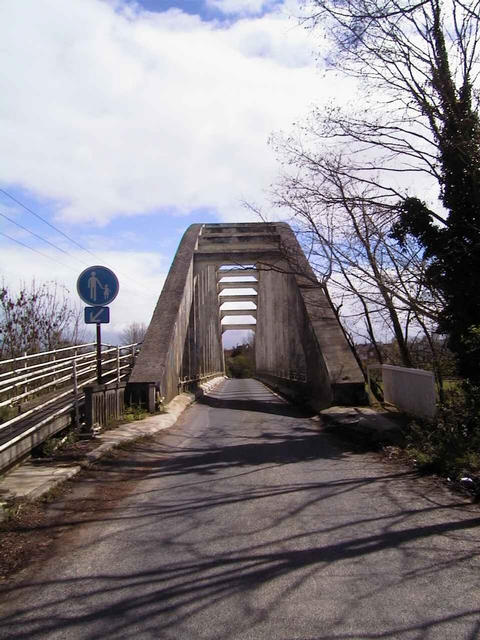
(300, 347)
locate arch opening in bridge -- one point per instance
(239, 353)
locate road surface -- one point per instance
(255, 524)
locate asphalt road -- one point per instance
(255, 524)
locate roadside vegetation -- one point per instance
(135, 412)
(449, 445)
(240, 361)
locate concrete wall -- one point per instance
(278, 342)
(183, 338)
(288, 355)
(330, 362)
(411, 390)
(12, 452)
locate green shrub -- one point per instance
(239, 366)
(450, 444)
(135, 412)
(52, 444)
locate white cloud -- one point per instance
(141, 276)
(240, 7)
(112, 112)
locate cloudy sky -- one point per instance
(123, 122)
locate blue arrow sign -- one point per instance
(97, 315)
(97, 285)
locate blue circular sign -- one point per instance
(97, 286)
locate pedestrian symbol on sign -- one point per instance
(93, 281)
(97, 285)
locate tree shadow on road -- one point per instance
(276, 406)
(165, 599)
(292, 549)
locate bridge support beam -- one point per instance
(296, 325)
(183, 340)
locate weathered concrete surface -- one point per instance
(183, 339)
(281, 317)
(322, 333)
(364, 423)
(300, 346)
(203, 353)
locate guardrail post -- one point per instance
(75, 392)
(25, 388)
(54, 369)
(118, 365)
(99, 353)
(90, 413)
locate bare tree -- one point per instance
(378, 286)
(135, 332)
(419, 63)
(37, 318)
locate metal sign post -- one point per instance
(99, 354)
(97, 286)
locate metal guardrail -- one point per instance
(292, 375)
(22, 378)
(186, 380)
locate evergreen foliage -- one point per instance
(454, 249)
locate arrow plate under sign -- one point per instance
(97, 315)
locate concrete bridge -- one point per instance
(260, 269)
